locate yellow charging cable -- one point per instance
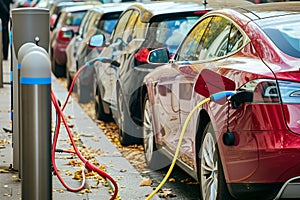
(178, 148)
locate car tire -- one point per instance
(211, 175)
(99, 108)
(124, 138)
(155, 160)
(83, 92)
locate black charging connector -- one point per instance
(240, 97)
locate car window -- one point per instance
(74, 19)
(120, 27)
(178, 28)
(215, 40)
(211, 40)
(168, 31)
(108, 22)
(189, 47)
(285, 35)
(236, 39)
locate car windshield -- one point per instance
(285, 34)
(169, 32)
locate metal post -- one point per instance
(27, 24)
(1, 57)
(24, 50)
(35, 84)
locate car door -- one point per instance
(175, 87)
(167, 109)
(107, 73)
(211, 41)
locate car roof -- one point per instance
(268, 10)
(111, 7)
(79, 8)
(219, 4)
(150, 9)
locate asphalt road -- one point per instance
(183, 187)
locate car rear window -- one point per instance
(285, 34)
(169, 32)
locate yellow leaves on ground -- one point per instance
(146, 182)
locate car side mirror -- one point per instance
(160, 55)
(97, 40)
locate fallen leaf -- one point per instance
(123, 170)
(171, 179)
(166, 192)
(70, 125)
(146, 182)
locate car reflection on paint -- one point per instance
(246, 147)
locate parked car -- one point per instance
(101, 19)
(246, 147)
(62, 32)
(55, 7)
(141, 27)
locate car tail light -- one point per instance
(272, 91)
(65, 35)
(290, 91)
(142, 55)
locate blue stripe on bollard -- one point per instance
(35, 81)
(19, 66)
(10, 37)
(11, 76)
(0, 28)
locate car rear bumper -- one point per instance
(290, 189)
(60, 53)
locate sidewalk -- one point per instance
(89, 136)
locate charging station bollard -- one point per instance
(24, 50)
(1, 57)
(16, 137)
(35, 84)
(27, 25)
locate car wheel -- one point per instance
(154, 159)
(83, 92)
(124, 137)
(99, 109)
(211, 175)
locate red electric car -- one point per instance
(66, 24)
(245, 146)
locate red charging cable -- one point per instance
(88, 165)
